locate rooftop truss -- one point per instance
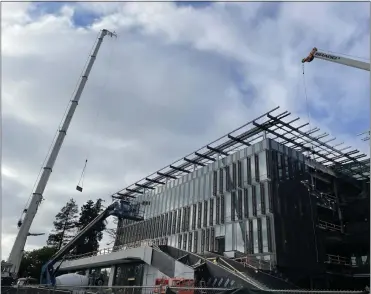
(273, 124)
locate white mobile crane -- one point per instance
(16, 254)
(337, 59)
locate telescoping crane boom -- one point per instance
(315, 53)
(16, 253)
(122, 209)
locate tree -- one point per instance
(64, 225)
(33, 261)
(90, 243)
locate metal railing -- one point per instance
(337, 259)
(109, 250)
(328, 226)
(255, 263)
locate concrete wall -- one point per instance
(106, 260)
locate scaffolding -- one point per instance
(320, 151)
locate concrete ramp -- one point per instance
(151, 256)
(106, 260)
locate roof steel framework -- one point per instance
(279, 127)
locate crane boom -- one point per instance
(337, 59)
(16, 253)
(123, 209)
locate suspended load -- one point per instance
(78, 187)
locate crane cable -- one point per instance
(309, 120)
(80, 184)
(313, 179)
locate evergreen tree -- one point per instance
(90, 243)
(33, 261)
(64, 225)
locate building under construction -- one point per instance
(275, 204)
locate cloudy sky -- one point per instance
(177, 77)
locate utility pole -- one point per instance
(16, 254)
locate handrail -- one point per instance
(337, 259)
(109, 250)
(328, 226)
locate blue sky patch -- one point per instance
(80, 18)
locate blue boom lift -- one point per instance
(122, 209)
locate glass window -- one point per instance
(229, 237)
(191, 192)
(251, 238)
(249, 175)
(194, 216)
(221, 180)
(286, 160)
(178, 223)
(173, 230)
(240, 236)
(239, 205)
(258, 200)
(211, 217)
(190, 239)
(257, 172)
(197, 190)
(239, 174)
(252, 168)
(260, 243)
(203, 241)
(234, 175)
(170, 220)
(222, 209)
(227, 179)
(205, 213)
(244, 171)
(171, 199)
(217, 211)
(263, 173)
(212, 239)
(189, 218)
(233, 206)
(199, 215)
(208, 184)
(215, 182)
(266, 247)
(195, 241)
(255, 235)
(207, 243)
(185, 241)
(246, 203)
(186, 194)
(227, 208)
(250, 201)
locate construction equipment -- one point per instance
(187, 284)
(123, 209)
(315, 53)
(16, 253)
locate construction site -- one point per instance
(275, 205)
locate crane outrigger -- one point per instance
(16, 254)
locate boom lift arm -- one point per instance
(337, 59)
(16, 253)
(123, 209)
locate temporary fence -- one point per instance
(159, 290)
